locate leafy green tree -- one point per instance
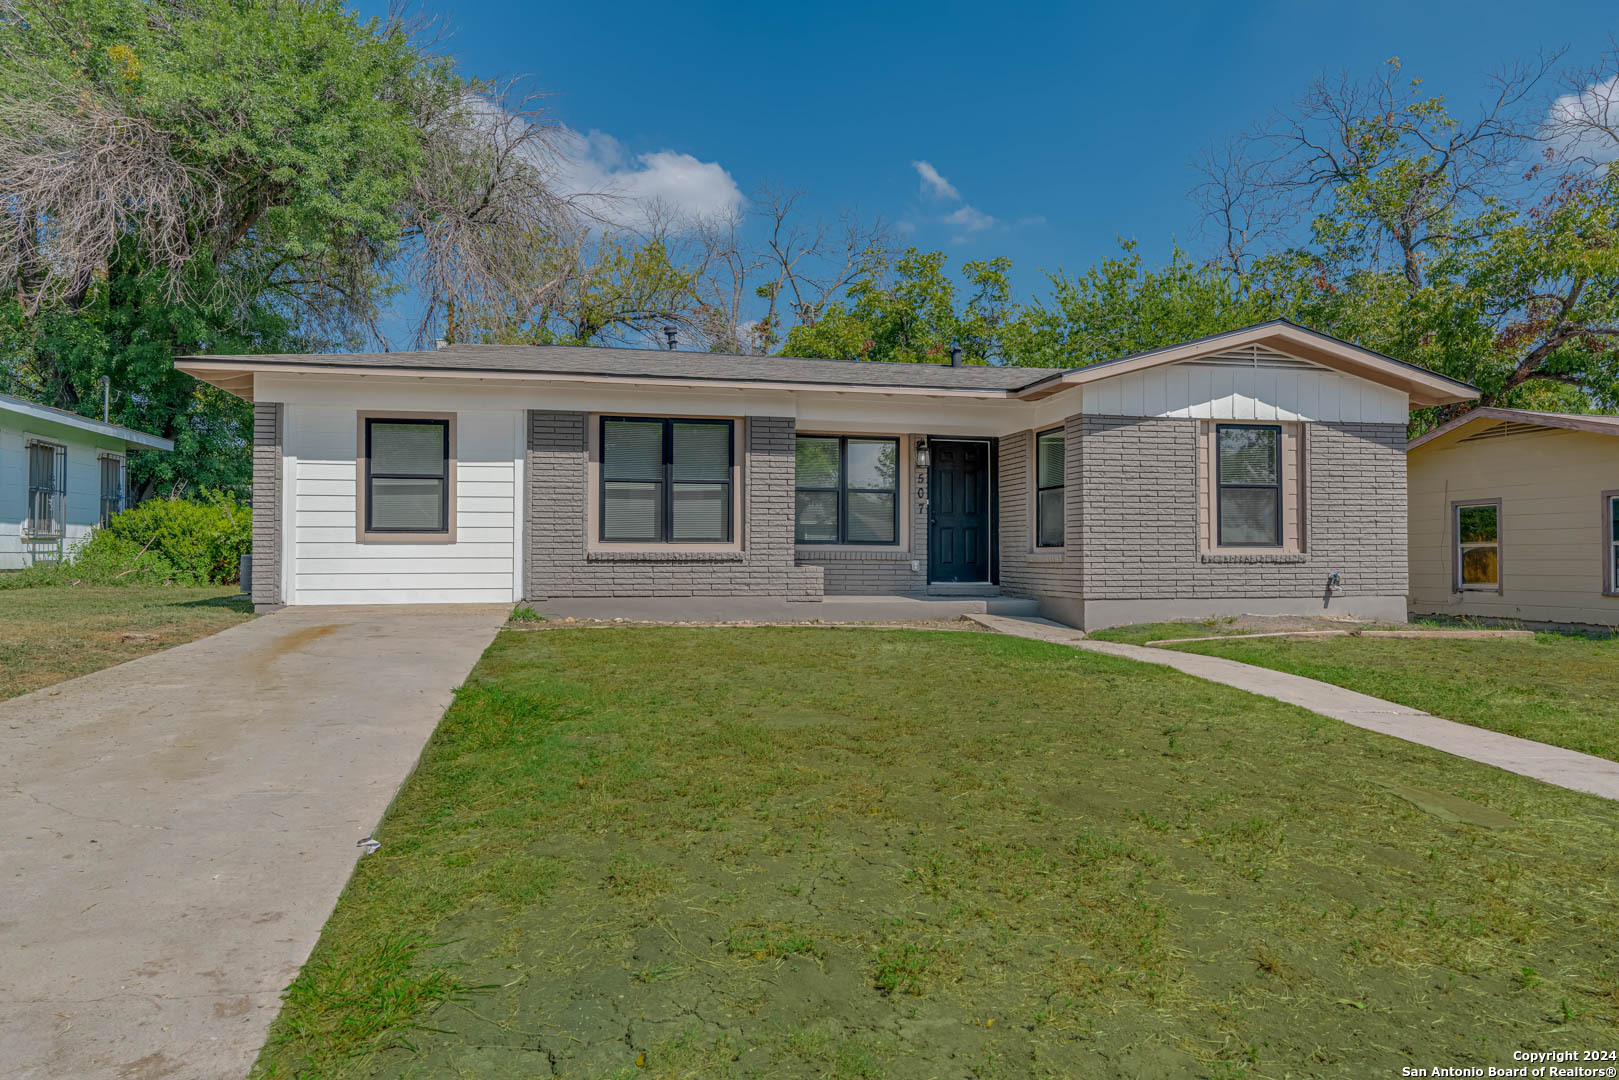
(214, 175)
(909, 310)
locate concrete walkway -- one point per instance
(1553, 764)
(178, 828)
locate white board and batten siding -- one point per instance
(1254, 383)
(325, 564)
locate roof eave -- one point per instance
(1524, 416)
(128, 436)
(229, 376)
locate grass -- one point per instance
(1561, 689)
(48, 635)
(813, 852)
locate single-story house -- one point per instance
(61, 475)
(1514, 515)
(1261, 470)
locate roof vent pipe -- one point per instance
(669, 336)
(955, 356)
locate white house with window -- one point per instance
(1261, 470)
(61, 475)
(1515, 515)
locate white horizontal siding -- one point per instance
(329, 566)
(83, 506)
(1222, 392)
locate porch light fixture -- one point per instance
(921, 453)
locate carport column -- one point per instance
(267, 429)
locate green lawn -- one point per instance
(814, 852)
(1554, 688)
(52, 633)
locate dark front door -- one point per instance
(958, 511)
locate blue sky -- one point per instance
(1061, 127)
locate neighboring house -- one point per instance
(61, 475)
(1233, 474)
(1513, 516)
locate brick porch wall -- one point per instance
(561, 564)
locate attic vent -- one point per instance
(1253, 356)
(1504, 429)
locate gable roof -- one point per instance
(1600, 425)
(130, 436)
(578, 363)
(1424, 387)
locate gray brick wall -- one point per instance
(1028, 571)
(267, 429)
(1139, 528)
(560, 563)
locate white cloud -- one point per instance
(933, 184)
(633, 191)
(969, 218)
(1586, 124)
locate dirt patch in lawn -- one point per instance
(812, 853)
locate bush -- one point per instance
(203, 539)
(160, 542)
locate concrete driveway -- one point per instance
(177, 829)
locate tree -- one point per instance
(907, 310)
(749, 295)
(240, 174)
(1480, 247)
(1121, 306)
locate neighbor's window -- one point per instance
(1249, 474)
(1478, 545)
(666, 481)
(112, 487)
(1048, 487)
(407, 475)
(847, 490)
(1612, 517)
(47, 490)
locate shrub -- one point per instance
(202, 539)
(161, 542)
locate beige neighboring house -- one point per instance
(1513, 516)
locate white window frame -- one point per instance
(123, 485)
(60, 448)
(1458, 548)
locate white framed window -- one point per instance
(1477, 526)
(114, 479)
(46, 517)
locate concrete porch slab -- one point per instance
(833, 609)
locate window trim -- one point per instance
(362, 511)
(27, 531)
(843, 490)
(1034, 473)
(1456, 547)
(1610, 545)
(1279, 487)
(102, 517)
(666, 482)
